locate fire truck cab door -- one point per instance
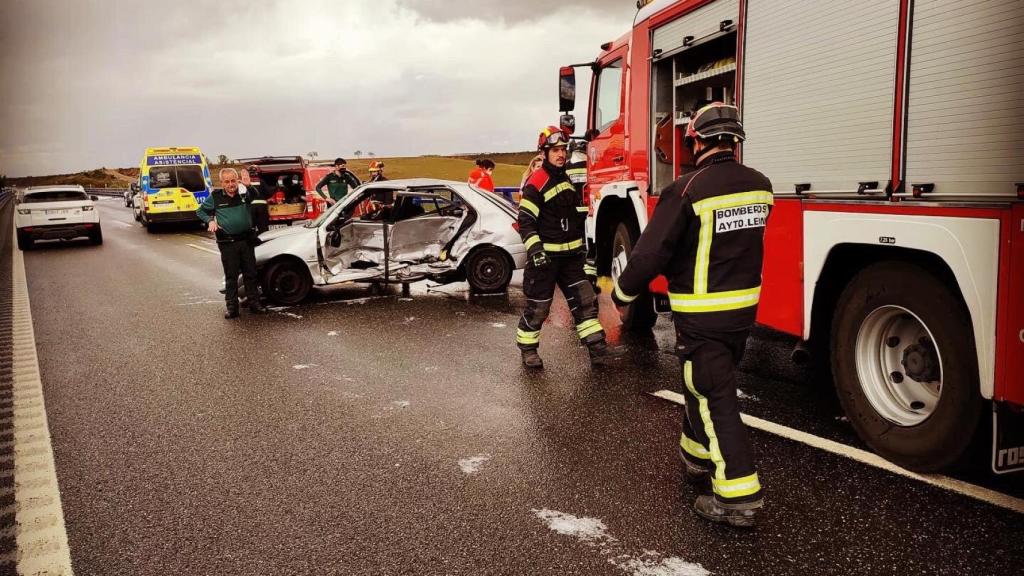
(607, 160)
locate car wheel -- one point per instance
(25, 242)
(96, 236)
(640, 315)
(286, 282)
(905, 366)
(489, 271)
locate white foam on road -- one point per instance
(497, 325)
(594, 533)
(304, 366)
(332, 333)
(472, 464)
(864, 457)
(401, 403)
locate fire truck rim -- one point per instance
(894, 352)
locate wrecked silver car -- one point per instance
(397, 231)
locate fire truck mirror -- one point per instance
(567, 89)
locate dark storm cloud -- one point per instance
(511, 11)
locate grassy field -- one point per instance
(506, 172)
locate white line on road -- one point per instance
(951, 484)
(205, 249)
(120, 223)
(40, 534)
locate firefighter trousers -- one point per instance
(567, 273)
(714, 437)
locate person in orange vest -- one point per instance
(481, 175)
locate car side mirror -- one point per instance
(334, 238)
(566, 88)
(457, 212)
(94, 198)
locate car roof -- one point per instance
(75, 187)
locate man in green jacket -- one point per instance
(227, 214)
(338, 182)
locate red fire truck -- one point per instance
(288, 182)
(892, 131)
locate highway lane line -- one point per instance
(40, 534)
(204, 249)
(871, 459)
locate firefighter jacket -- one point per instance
(707, 237)
(551, 213)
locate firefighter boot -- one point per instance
(601, 354)
(256, 308)
(532, 360)
(738, 515)
(232, 312)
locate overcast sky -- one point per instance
(90, 83)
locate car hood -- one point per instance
(282, 232)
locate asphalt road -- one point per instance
(367, 434)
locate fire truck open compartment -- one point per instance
(693, 63)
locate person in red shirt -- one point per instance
(481, 175)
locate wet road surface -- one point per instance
(367, 434)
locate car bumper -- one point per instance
(60, 231)
(168, 217)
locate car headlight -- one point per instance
(24, 211)
(87, 208)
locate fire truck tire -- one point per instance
(905, 366)
(286, 282)
(640, 316)
(489, 271)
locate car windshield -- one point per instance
(324, 215)
(55, 196)
(188, 177)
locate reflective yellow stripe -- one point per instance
(737, 487)
(524, 337)
(530, 207)
(563, 247)
(588, 327)
(259, 202)
(576, 171)
(557, 190)
(694, 448)
(715, 301)
(583, 209)
(709, 426)
(590, 270)
(622, 295)
(533, 239)
(733, 200)
(703, 261)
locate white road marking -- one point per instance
(203, 249)
(594, 533)
(864, 457)
(40, 534)
(120, 223)
(472, 464)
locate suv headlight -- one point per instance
(24, 211)
(87, 208)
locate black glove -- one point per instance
(540, 259)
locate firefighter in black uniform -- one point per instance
(551, 217)
(707, 237)
(576, 169)
(257, 200)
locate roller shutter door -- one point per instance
(965, 130)
(699, 23)
(819, 81)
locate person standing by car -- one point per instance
(227, 214)
(551, 218)
(481, 175)
(339, 181)
(257, 198)
(707, 237)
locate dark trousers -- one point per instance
(713, 436)
(567, 273)
(238, 256)
(261, 218)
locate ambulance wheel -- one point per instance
(905, 366)
(286, 282)
(640, 315)
(489, 271)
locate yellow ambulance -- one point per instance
(173, 182)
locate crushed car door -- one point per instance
(352, 246)
(424, 224)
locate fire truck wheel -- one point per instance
(489, 271)
(286, 282)
(905, 366)
(640, 316)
